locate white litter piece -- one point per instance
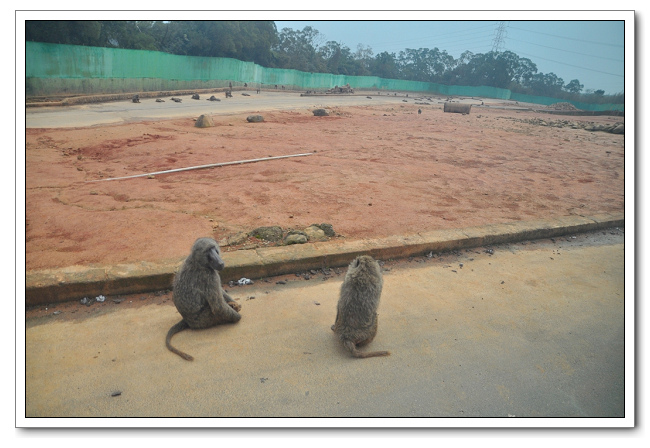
(200, 167)
(244, 281)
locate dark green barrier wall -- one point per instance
(53, 69)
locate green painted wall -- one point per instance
(54, 69)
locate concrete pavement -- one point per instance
(534, 329)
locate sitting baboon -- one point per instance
(196, 96)
(198, 294)
(136, 98)
(356, 312)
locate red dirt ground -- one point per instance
(376, 171)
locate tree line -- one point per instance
(307, 50)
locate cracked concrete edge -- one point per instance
(75, 282)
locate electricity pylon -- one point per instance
(499, 37)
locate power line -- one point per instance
(570, 38)
(448, 34)
(439, 39)
(570, 65)
(568, 51)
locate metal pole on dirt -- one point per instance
(199, 167)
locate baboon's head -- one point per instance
(363, 263)
(206, 252)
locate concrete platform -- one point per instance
(76, 282)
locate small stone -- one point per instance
(295, 238)
(272, 233)
(315, 233)
(255, 119)
(204, 121)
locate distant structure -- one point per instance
(499, 37)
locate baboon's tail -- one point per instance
(182, 325)
(357, 354)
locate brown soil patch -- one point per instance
(376, 171)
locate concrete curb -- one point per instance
(76, 282)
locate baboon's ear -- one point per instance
(214, 259)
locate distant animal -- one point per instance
(136, 98)
(419, 111)
(196, 96)
(158, 100)
(213, 98)
(178, 100)
(198, 294)
(356, 313)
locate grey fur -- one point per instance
(356, 313)
(198, 294)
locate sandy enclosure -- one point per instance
(375, 171)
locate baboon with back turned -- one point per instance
(198, 294)
(356, 313)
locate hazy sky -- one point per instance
(590, 51)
